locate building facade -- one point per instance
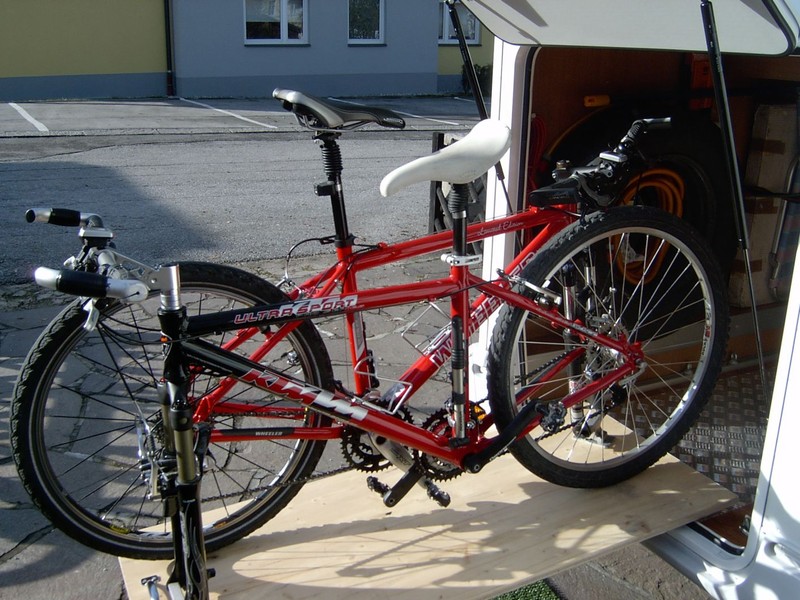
(82, 49)
(229, 48)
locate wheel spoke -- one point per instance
(641, 277)
(75, 421)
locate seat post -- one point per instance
(332, 164)
(457, 203)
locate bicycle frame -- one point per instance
(319, 297)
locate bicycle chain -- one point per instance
(362, 455)
(285, 484)
(345, 469)
(571, 424)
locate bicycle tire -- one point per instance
(73, 422)
(675, 306)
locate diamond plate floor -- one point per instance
(726, 442)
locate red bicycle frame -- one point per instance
(335, 291)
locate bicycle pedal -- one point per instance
(437, 494)
(377, 486)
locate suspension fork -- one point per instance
(570, 304)
(189, 578)
(578, 309)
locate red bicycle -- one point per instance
(610, 334)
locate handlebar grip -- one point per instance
(560, 192)
(641, 126)
(92, 285)
(662, 123)
(637, 128)
(65, 217)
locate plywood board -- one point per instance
(504, 528)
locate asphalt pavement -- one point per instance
(201, 180)
(36, 560)
(181, 116)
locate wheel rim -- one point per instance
(664, 313)
(92, 432)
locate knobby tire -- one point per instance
(637, 273)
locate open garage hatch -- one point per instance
(745, 26)
(568, 75)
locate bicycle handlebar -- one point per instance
(63, 216)
(640, 127)
(597, 184)
(91, 285)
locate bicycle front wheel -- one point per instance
(86, 423)
(633, 273)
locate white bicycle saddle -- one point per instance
(460, 162)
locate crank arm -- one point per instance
(401, 458)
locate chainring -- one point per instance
(359, 452)
(436, 468)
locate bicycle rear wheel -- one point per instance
(86, 421)
(635, 273)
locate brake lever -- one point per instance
(92, 314)
(598, 185)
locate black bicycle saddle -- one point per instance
(317, 113)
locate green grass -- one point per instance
(535, 591)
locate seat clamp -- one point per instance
(462, 261)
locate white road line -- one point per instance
(25, 115)
(471, 100)
(229, 113)
(405, 114)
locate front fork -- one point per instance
(578, 309)
(184, 452)
(570, 307)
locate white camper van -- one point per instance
(568, 78)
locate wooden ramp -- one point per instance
(504, 529)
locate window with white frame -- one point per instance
(275, 21)
(470, 25)
(365, 21)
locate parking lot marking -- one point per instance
(229, 113)
(405, 114)
(26, 115)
